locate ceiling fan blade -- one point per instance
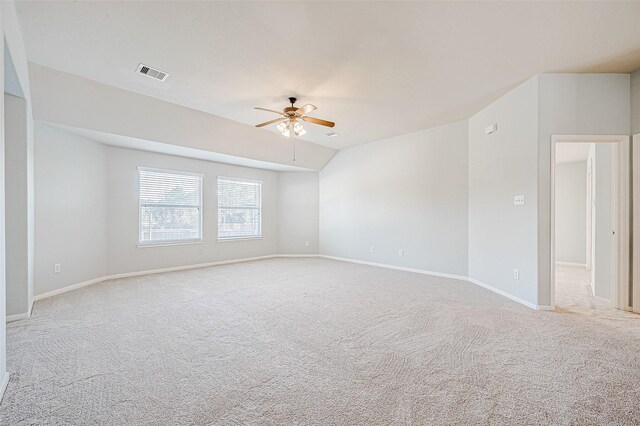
(306, 109)
(320, 122)
(270, 122)
(270, 110)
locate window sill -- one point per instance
(170, 243)
(225, 240)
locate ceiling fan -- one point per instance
(290, 122)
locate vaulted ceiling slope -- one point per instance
(121, 117)
(377, 69)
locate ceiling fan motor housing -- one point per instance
(290, 111)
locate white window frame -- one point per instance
(141, 205)
(238, 238)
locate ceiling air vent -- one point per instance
(331, 134)
(151, 72)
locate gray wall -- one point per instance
(604, 221)
(71, 209)
(298, 210)
(635, 102)
(408, 192)
(124, 254)
(573, 104)
(18, 274)
(571, 212)
(502, 236)
(87, 211)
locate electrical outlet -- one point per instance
(371, 249)
(56, 268)
(401, 252)
(200, 251)
(306, 243)
(516, 274)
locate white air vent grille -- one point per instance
(151, 72)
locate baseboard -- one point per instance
(23, 315)
(546, 308)
(504, 294)
(399, 268)
(17, 317)
(582, 265)
(440, 274)
(3, 385)
(250, 259)
(147, 272)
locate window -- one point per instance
(170, 206)
(239, 208)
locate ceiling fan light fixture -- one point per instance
(298, 129)
(293, 117)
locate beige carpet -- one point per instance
(313, 341)
(574, 295)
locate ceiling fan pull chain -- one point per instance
(294, 149)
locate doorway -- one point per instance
(589, 215)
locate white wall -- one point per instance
(573, 104)
(604, 221)
(298, 210)
(571, 212)
(12, 39)
(71, 209)
(4, 375)
(20, 81)
(124, 254)
(80, 181)
(502, 236)
(17, 205)
(408, 192)
(635, 102)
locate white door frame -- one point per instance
(620, 289)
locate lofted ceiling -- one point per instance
(377, 69)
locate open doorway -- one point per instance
(589, 225)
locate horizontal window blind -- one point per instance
(239, 208)
(170, 206)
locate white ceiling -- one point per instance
(571, 151)
(377, 69)
(180, 151)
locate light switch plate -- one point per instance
(491, 129)
(518, 200)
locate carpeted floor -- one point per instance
(313, 341)
(574, 294)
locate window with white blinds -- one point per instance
(170, 206)
(239, 208)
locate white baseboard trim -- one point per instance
(22, 315)
(582, 265)
(399, 268)
(504, 293)
(440, 274)
(148, 272)
(546, 308)
(250, 259)
(17, 317)
(3, 385)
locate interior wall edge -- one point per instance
(3, 385)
